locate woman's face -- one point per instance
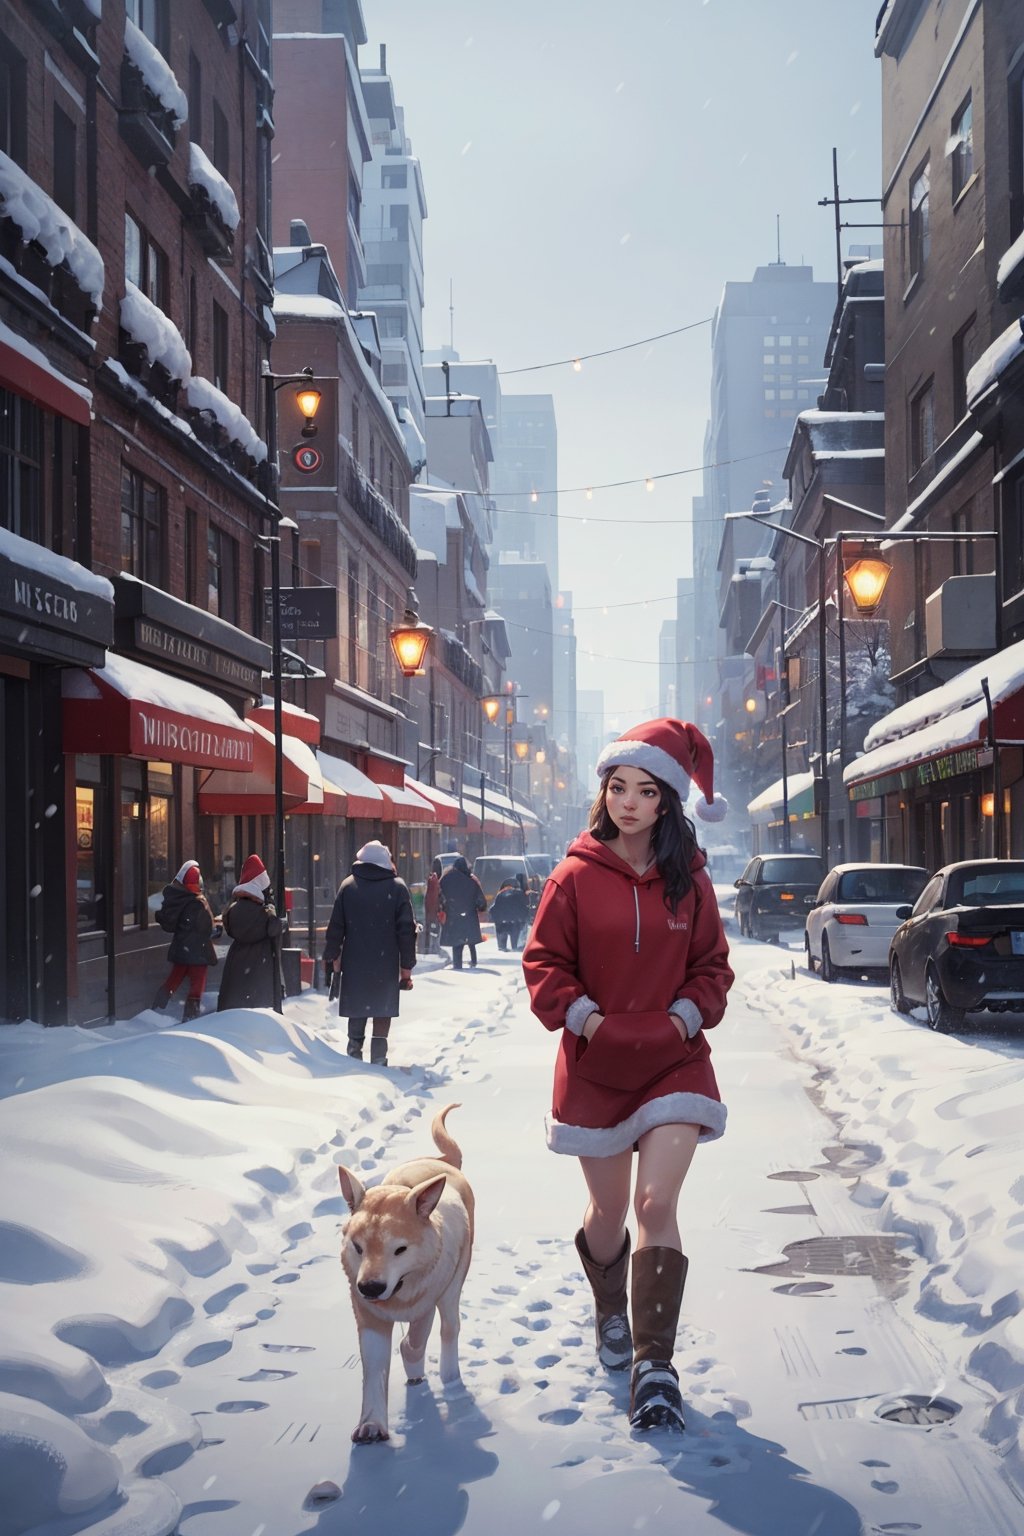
(632, 799)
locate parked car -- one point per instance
(493, 869)
(853, 918)
(774, 892)
(961, 947)
(540, 864)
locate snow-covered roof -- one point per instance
(156, 72)
(1005, 675)
(151, 328)
(36, 557)
(995, 360)
(40, 219)
(203, 173)
(762, 806)
(148, 686)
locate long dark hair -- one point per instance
(673, 841)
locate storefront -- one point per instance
(54, 614)
(942, 776)
(769, 810)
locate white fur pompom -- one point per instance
(716, 811)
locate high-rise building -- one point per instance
(524, 480)
(667, 687)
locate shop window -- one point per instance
(21, 478)
(142, 528)
(159, 864)
(90, 913)
(962, 138)
(222, 574)
(132, 872)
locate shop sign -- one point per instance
(951, 766)
(307, 613)
(192, 655)
(948, 767)
(160, 733)
(32, 601)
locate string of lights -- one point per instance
(647, 481)
(585, 357)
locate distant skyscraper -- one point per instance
(526, 466)
(668, 693)
(590, 735)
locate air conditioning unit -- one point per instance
(960, 617)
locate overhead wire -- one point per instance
(586, 357)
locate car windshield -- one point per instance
(791, 872)
(984, 887)
(895, 886)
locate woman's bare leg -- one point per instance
(665, 1156)
(604, 1224)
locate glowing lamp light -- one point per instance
(649, 483)
(308, 400)
(750, 705)
(988, 804)
(866, 580)
(533, 495)
(577, 365)
(521, 750)
(410, 641)
(590, 494)
(491, 707)
(541, 756)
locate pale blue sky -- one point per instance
(594, 174)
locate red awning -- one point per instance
(294, 721)
(446, 810)
(39, 382)
(363, 799)
(223, 793)
(407, 807)
(130, 710)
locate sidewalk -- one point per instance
(786, 1361)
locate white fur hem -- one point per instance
(645, 755)
(686, 1009)
(670, 1109)
(578, 1013)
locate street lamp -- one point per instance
(308, 400)
(866, 578)
(410, 641)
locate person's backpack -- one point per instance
(167, 922)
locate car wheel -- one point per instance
(942, 1016)
(807, 953)
(829, 973)
(897, 997)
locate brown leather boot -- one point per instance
(611, 1321)
(659, 1275)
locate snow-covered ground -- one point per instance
(178, 1353)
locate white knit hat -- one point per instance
(375, 853)
(673, 751)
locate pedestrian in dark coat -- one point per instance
(185, 913)
(511, 914)
(252, 970)
(371, 940)
(462, 901)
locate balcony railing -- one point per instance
(375, 512)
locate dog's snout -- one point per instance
(371, 1289)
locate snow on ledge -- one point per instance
(1010, 261)
(156, 72)
(203, 173)
(36, 557)
(39, 218)
(149, 326)
(204, 396)
(19, 344)
(996, 358)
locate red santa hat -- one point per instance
(673, 751)
(254, 872)
(191, 879)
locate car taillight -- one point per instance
(967, 940)
(852, 919)
(786, 896)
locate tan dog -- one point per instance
(406, 1249)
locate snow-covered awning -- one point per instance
(405, 807)
(364, 799)
(994, 361)
(223, 793)
(29, 373)
(945, 731)
(446, 810)
(766, 807)
(131, 710)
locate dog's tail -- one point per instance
(450, 1150)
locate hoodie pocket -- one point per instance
(630, 1050)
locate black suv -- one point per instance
(775, 891)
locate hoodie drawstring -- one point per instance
(636, 899)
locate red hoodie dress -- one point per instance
(603, 938)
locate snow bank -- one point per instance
(40, 219)
(204, 396)
(203, 173)
(156, 72)
(149, 326)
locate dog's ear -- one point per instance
(425, 1196)
(350, 1188)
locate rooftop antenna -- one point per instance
(451, 313)
(778, 240)
(836, 203)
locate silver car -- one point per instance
(853, 919)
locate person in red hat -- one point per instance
(629, 962)
(252, 971)
(185, 913)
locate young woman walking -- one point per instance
(628, 959)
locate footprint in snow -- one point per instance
(545, 1362)
(241, 1405)
(261, 1269)
(535, 1324)
(222, 1299)
(288, 1349)
(560, 1416)
(538, 1306)
(505, 1290)
(204, 1353)
(286, 1279)
(267, 1375)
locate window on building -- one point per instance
(222, 574)
(373, 460)
(1015, 125)
(965, 355)
(769, 394)
(391, 325)
(920, 228)
(394, 176)
(152, 18)
(785, 341)
(1013, 562)
(963, 554)
(803, 341)
(65, 158)
(355, 430)
(195, 98)
(220, 347)
(353, 621)
(145, 264)
(373, 635)
(13, 104)
(391, 480)
(221, 141)
(768, 359)
(922, 427)
(142, 552)
(21, 472)
(354, 203)
(962, 147)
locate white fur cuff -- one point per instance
(670, 1109)
(686, 1009)
(578, 1014)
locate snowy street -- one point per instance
(178, 1351)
